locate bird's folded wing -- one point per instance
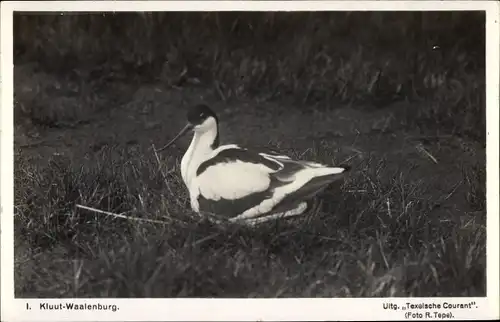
(233, 180)
(235, 173)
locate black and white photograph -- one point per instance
(250, 154)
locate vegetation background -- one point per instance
(400, 95)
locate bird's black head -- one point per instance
(202, 120)
(198, 114)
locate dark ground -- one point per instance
(408, 221)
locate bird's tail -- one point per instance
(320, 182)
(315, 185)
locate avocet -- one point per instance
(242, 184)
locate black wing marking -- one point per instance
(234, 154)
(290, 168)
(232, 208)
(283, 166)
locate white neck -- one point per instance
(199, 150)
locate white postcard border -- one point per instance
(245, 309)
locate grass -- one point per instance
(379, 234)
(409, 220)
(327, 59)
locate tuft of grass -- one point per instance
(316, 58)
(378, 234)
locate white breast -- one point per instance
(194, 156)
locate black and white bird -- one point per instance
(242, 184)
